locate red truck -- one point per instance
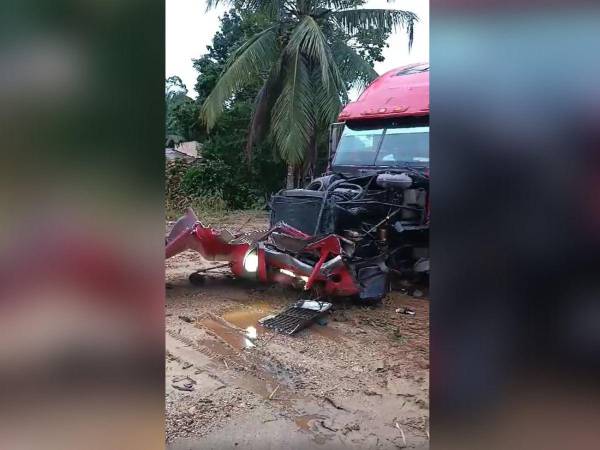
(347, 232)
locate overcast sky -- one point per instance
(189, 29)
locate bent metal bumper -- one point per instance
(188, 233)
(254, 256)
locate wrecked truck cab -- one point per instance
(367, 218)
(375, 194)
(380, 219)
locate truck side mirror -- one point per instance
(335, 132)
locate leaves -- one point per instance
(327, 102)
(263, 6)
(352, 66)
(353, 20)
(304, 65)
(181, 112)
(247, 63)
(293, 120)
(309, 39)
(263, 104)
(174, 87)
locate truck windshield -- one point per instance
(388, 146)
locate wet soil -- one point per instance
(359, 381)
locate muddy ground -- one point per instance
(359, 381)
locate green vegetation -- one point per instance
(181, 124)
(274, 78)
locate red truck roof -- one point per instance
(401, 92)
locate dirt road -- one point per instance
(360, 381)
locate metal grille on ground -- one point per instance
(297, 316)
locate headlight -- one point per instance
(251, 261)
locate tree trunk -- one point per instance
(290, 177)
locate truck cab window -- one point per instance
(404, 145)
(395, 144)
(358, 147)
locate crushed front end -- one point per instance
(340, 236)
(282, 254)
(381, 220)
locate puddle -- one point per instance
(267, 381)
(307, 422)
(233, 337)
(247, 319)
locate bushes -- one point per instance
(222, 179)
(224, 172)
(215, 179)
(175, 199)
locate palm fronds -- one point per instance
(249, 61)
(263, 104)
(310, 40)
(352, 66)
(353, 20)
(292, 119)
(304, 69)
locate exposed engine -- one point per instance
(382, 219)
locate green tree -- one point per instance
(223, 175)
(175, 88)
(305, 56)
(210, 65)
(236, 27)
(181, 112)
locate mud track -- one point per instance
(360, 381)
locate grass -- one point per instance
(208, 214)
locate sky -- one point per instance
(189, 29)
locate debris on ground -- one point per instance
(274, 392)
(186, 319)
(297, 316)
(334, 404)
(379, 365)
(348, 428)
(370, 362)
(328, 427)
(183, 383)
(402, 434)
(370, 393)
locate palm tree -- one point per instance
(304, 68)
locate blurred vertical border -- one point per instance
(82, 224)
(515, 286)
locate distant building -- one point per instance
(188, 151)
(191, 148)
(175, 155)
